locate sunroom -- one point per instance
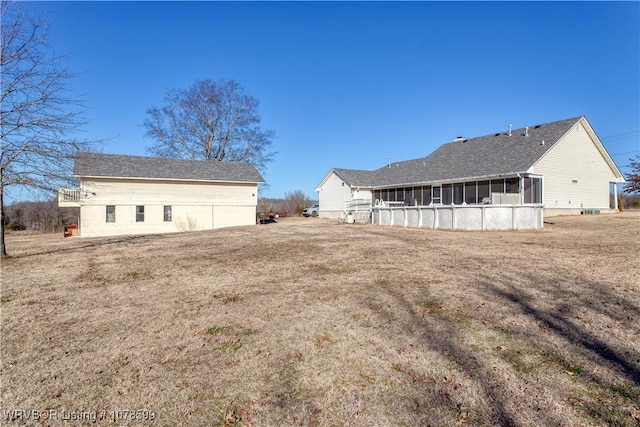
(502, 190)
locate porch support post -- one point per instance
(521, 188)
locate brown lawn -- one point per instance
(307, 322)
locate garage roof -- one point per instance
(139, 167)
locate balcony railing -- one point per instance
(69, 197)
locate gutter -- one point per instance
(129, 178)
(458, 180)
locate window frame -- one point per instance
(110, 216)
(457, 193)
(446, 194)
(471, 192)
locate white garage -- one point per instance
(121, 195)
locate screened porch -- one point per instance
(514, 190)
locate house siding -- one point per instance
(332, 196)
(194, 206)
(571, 185)
(575, 170)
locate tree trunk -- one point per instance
(3, 248)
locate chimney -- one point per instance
(509, 130)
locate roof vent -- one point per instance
(458, 139)
(509, 134)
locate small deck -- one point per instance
(69, 197)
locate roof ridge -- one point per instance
(491, 154)
(136, 156)
(538, 125)
(144, 167)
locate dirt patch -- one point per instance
(307, 322)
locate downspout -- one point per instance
(83, 195)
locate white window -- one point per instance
(111, 213)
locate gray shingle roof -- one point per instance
(358, 178)
(490, 155)
(121, 166)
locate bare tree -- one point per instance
(210, 121)
(294, 202)
(37, 115)
(44, 216)
(633, 177)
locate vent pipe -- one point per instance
(542, 143)
(509, 130)
(526, 131)
(389, 160)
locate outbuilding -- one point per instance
(123, 195)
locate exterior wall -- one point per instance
(549, 212)
(233, 216)
(194, 206)
(361, 200)
(575, 173)
(333, 195)
(476, 217)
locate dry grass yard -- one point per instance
(307, 322)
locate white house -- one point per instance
(120, 195)
(562, 166)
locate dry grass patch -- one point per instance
(307, 322)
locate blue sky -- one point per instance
(349, 84)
